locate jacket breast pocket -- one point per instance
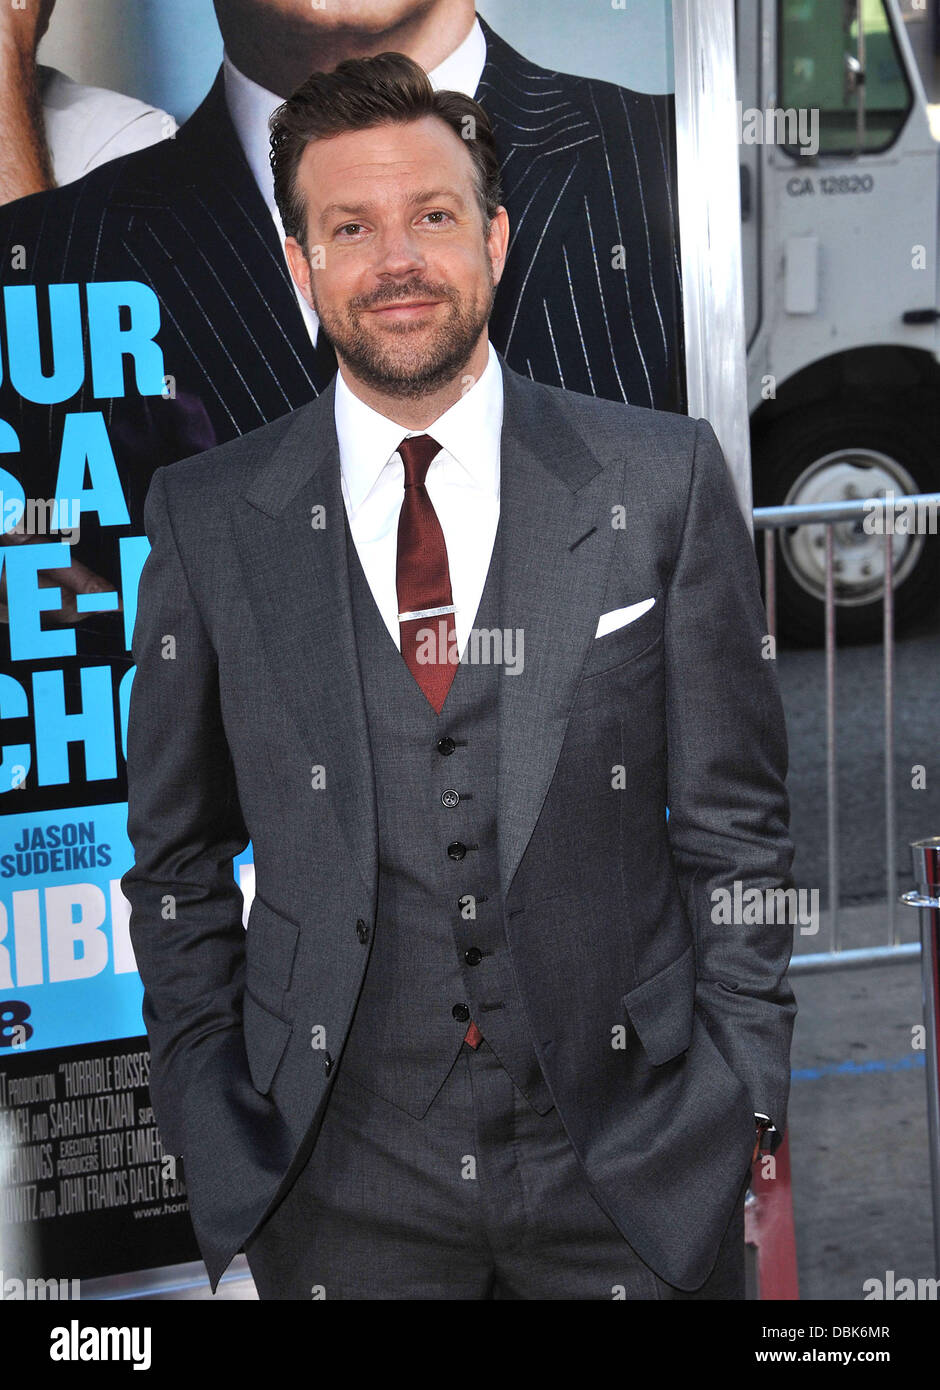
(271, 946)
(624, 643)
(266, 1036)
(662, 1009)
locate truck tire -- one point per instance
(842, 449)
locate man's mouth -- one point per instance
(404, 309)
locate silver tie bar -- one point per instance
(427, 613)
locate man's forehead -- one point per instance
(404, 151)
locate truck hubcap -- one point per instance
(858, 555)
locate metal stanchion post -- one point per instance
(926, 896)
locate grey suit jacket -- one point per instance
(659, 1031)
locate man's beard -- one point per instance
(395, 366)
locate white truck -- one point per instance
(840, 270)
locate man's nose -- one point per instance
(399, 252)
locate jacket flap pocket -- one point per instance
(662, 1008)
(266, 1037)
(271, 942)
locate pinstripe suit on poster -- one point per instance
(586, 169)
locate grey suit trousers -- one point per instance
(481, 1198)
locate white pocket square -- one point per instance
(619, 617)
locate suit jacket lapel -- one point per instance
(557, 549)
(297, 582)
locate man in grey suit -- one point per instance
(487, 1035)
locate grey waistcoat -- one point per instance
(440, 946)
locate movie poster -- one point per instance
(147, 315)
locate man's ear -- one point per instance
(497, 241)
(299, 267)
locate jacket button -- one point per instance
(362, 931)
(473, 956)
(327, 1064)
(450, 797)
(456, 850)
(460, 1012)
(446, 746)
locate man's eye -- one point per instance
(350, 227)
(438, 213)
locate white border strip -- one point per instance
(710, 228)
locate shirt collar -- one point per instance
(461, 70)
(250, 105)
(469, 431)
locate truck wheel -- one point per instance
(846, 450)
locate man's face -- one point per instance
(360, 16)
(402, 271)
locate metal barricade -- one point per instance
(771, 519)
(926, 897)
(926, 853)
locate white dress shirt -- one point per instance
(88, 126)
(250, 106)
(462, 483)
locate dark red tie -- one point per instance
(425, 602)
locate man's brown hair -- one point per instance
(361, 93)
